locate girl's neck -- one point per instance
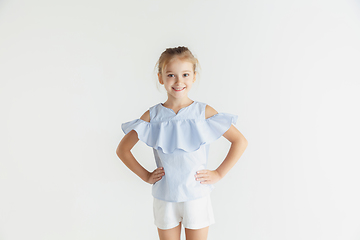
(176, 103)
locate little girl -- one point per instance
(179, 131)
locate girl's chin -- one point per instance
(178, 95)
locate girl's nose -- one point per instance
(178, 79)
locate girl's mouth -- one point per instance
(179, 89)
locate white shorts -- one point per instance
(194, 214)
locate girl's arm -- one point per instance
(124, 153)
(237, 148)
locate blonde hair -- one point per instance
(180, 52)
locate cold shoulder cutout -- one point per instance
(146, 116)
(209, 111)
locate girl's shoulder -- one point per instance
(209, 111)
(146, 116)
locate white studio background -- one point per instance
(72, 71)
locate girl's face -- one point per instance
(177, 78)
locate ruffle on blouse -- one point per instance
(186, 134)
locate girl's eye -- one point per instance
(170, 75)
(186, 75)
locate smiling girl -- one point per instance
(180, 131)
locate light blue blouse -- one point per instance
(181, 144)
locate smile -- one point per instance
(179, 89)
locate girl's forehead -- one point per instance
(177, 62)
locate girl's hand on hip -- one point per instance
(156, 175)
(207, 176)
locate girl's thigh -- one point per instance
(170, 234)
(196, 234)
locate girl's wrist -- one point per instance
(221, 175)
(145, 176)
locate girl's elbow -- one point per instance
(245, 143)
(120, 151)
(241, 141)
(121, 154)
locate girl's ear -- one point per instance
(194, 76)
(160, 79)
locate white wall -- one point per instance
(72, 71)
